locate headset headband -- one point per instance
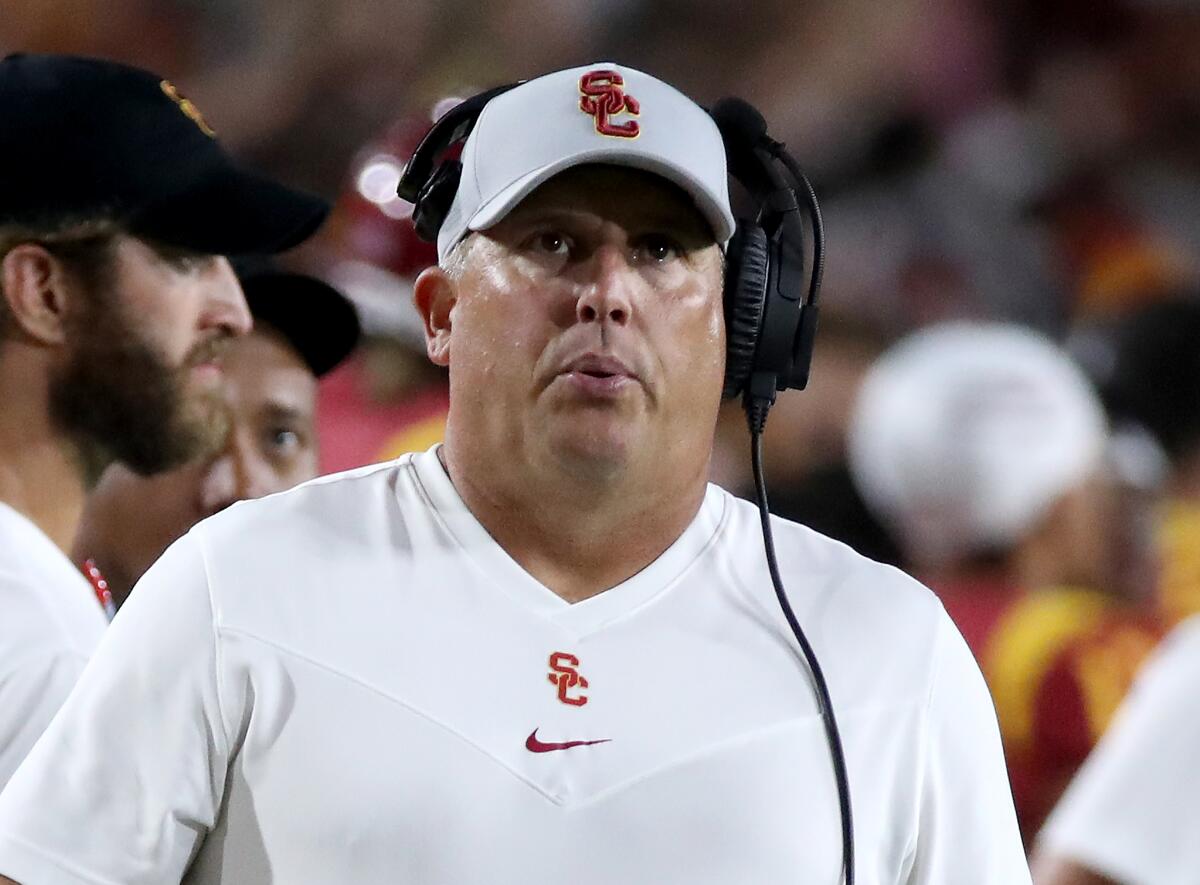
(453, 126)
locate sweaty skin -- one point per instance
(585, 340)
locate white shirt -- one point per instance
(352, 682)
(1133, 810)
(50, 623)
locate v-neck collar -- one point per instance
(500, 569)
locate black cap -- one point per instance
(317, 319)
(82, 138)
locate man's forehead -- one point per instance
(619, 193)
(250, 358)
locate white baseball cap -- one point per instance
(599, 113)
(964, 435)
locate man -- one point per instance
(303, 328)
(115, 204)
(1130, 817)
(547, 650)
(985, 449)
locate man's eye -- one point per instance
(659, 248)
(551, 243)
(282, 438)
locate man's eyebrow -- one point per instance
(279, 410)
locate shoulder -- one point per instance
(282, 524)
(1132, 810)
(829, 567)
(874, 624)
(323, 544)
(1165, 689)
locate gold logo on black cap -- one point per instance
(189, 109)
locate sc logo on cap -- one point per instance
(603, 96)
(189, 109)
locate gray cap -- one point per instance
(600, 113)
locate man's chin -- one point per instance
(596, 454)
(197, 431)
(204, 425)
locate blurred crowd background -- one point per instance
(1030, 163)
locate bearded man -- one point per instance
(116, 207)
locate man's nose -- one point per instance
(226, 304)
(606, 297)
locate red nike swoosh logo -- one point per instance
(533, 745)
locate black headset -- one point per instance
(770, 314)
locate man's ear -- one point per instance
(434, 295)
(35, 289)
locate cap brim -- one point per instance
(497, 207)
(233, 212)
(314, 317)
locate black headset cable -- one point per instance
(822, 690)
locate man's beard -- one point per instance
(118, 399)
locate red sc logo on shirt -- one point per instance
(566, 677)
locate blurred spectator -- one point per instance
(302, 329)
(985, 451)
(116, 304)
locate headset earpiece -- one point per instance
(770, 312)
(747, 266)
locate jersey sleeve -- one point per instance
(967, 830)
(126, 781)
(1133, 811)
(31, 692)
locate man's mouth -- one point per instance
(208, 355)
(598, 375)
(599, 366)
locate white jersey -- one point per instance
(1133, 810)
(50, 623)
(352, 682)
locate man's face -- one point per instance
(140, 381)
(588, 324)
(268, 400)
(271, 399)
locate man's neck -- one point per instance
(40, 476)
(45, 487)
(577, 552)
